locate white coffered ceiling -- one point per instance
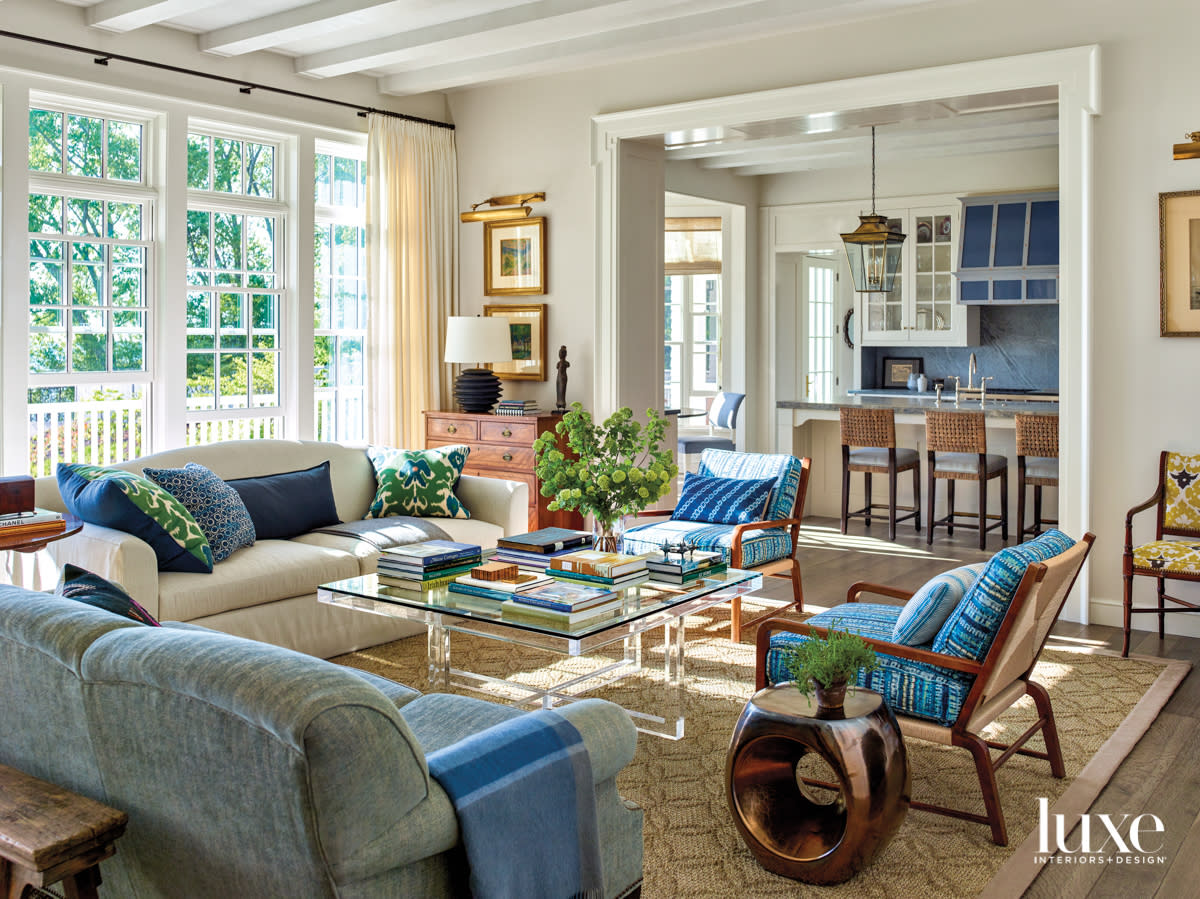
(413, 46)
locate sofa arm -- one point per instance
(115, 556)
(608, 733)
(501, 502)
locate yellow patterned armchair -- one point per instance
(1177, 505)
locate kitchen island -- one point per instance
(809, 428)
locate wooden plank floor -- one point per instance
(1160, 777)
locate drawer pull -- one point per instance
(451, 429)
(506, 433)
(507, 457)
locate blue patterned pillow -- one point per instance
(722, 500)
(971, 627)
(927, 610)
(81, 585)
(215, 505)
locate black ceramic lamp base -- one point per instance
(477, 389)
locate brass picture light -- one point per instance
(1190, 150)
(511, 206)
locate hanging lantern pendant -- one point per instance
(873, 248)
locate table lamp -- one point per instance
(477, 340)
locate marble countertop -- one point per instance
(917, 403)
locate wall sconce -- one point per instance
(513, 208)
(1190, 150)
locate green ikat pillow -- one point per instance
(128, 502)
(417, 482)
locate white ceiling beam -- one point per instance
(516, 28)
(856, 144)
(930, 151)
(296, 24)
(129, 15)
(694, 31)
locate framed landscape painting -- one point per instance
(527, 330)
(514, 257)
(1179, 263)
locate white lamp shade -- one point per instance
(475, 339)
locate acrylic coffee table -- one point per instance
(645, 606)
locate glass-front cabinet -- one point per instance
(921, 307)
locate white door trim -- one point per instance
(1076, 73)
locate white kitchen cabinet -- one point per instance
(921, 308)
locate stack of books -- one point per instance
(562, 605)
(536, 549)
(516, 407)
(673, 570)
(35, 523)
(595, 567)
(432, 563)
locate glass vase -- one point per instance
(606, 535)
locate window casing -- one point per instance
(692, 312)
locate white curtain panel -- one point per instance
(412, 252)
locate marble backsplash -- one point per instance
(1018, 347)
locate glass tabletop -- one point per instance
(639, 600)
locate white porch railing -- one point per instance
(339, 414)
(217, 430)
(98, 433)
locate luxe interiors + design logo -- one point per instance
(1103, 839)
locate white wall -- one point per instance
(534, 134)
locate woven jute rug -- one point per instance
(1103, 704)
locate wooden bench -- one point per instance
(49, 834)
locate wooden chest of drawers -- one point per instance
(501, 447)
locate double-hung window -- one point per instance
(235, 288)
(692, 312)
(90, 224)
(340, 293)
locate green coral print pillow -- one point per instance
(418, 482)
(130, 503)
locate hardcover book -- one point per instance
(561, 619)
(522, 583)
(432, 552)
(693, 562)
(598, 564)
(566, 597)
(546, 540)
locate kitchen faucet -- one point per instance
(972, 368)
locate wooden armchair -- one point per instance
(991, 685)
(1176, 502)
(768, 546)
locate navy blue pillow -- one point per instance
(289, 504)
(84, 586)
(722, 500)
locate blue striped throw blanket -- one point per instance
(526, 808)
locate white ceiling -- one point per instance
(413, 46)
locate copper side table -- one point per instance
(789, 829)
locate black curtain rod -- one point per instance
(102, 57)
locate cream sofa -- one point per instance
(268, 591)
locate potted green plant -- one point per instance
(617, 468)
(828, 664)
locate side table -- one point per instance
(50, 835)
(31, 543)
(787, 831)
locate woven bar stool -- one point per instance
(1037, 466)
(957, 447)
(869, 446)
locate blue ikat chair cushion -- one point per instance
(215, 505)
(722, 500)
(971, 627)
(910, 688)
(759, 545)
(782, 468)
(925, 613)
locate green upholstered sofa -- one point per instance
(252, 770)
